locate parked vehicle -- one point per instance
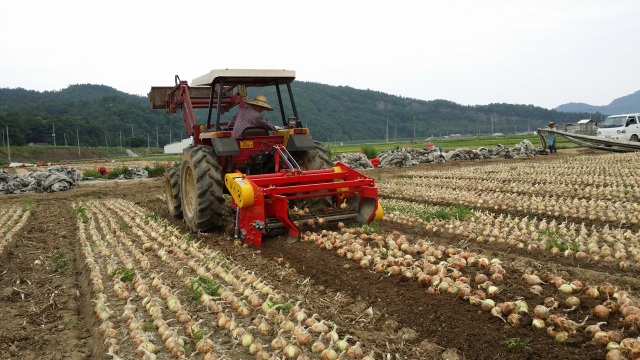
(620, 127)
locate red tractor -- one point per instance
(217, 155)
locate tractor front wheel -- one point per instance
(201, 188)
(172, 192)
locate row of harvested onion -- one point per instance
(396, 256)
(101, 308)
(6, 213)
(622, 213)
(145, 348)
(596, 244)
(242, 297)
(170, 336)
(11, 225)
(526, 187)
(601, 171)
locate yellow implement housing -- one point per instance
(240, 188)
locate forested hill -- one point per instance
(97, 113)
(332, 113)
(345, 113)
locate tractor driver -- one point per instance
(251, 116)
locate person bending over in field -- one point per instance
(251, 116)
(551, 139)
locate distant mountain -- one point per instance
(99, 113)
(623, 105)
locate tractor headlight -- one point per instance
(292, 122)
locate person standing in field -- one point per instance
(551, 139)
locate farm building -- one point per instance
(176, 147)
(585, 127)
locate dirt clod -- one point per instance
(451, 354)
(429, 350)
(408, 334)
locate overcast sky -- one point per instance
(544, 53)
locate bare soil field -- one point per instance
(96, 269)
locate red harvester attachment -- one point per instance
(261, 202)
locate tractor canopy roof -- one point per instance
(247, 77)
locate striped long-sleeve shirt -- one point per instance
(248, 117)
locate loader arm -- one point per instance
(185, 98)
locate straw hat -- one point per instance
(260, 100)
(551, 123)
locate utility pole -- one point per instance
(387, 129)
(78, 137)
(65, 137)
(54, 134)
(157, 142)
(492, 125)
(105, 140)
(395, 131)
(132, 130)
(414, 127)
(8, 145)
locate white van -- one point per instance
(620, 127)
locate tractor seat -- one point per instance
(255, 131)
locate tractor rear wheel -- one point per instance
(172, 192)
(315, 159)
(201, 188)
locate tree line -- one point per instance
(96, 114)
(100, 115)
